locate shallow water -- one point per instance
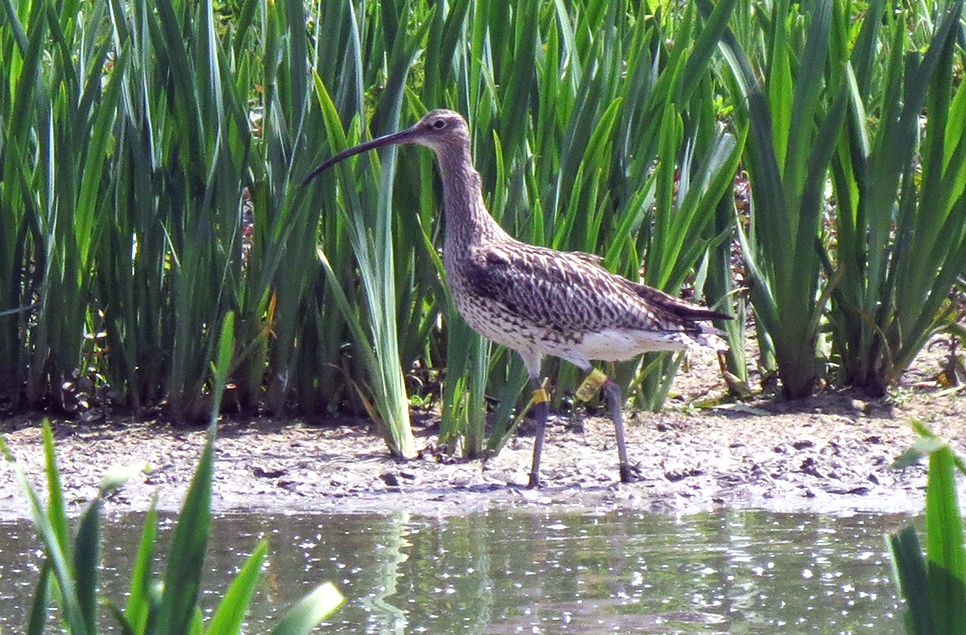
(528, 572)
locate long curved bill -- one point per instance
(403, 136)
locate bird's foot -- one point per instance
(630, 473)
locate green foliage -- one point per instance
(151, 155)
(934, 587)
(633, 173)
(828, 99)
(73, 562)
(371, 237)
(901, 208)
(793, 119)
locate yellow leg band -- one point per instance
(591, 385)
(540, 396)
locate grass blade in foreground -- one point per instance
(182, 579)
(909, 569)
(302, 618)
(56, 549)
(75, 567)
(144, 597)
(935, 588)
(234, 605)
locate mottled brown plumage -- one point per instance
(535, 300)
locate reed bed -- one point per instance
(151, 156)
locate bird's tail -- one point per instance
(689, 317)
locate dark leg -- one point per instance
(613, 393)
(541, 410)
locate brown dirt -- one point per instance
(829, 453)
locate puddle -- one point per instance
(525, 572)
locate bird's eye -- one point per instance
(439, 124)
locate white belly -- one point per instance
(578, 348)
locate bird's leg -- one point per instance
(598, 380)
(613, 393)
(541, 409)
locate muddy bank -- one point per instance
(831, 453)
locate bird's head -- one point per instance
(438, 129)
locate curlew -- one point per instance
(535, 300)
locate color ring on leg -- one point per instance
(591, 385)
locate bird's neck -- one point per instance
(468, 223)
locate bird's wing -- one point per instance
(593, 259)
(681, 308)
(566, 291)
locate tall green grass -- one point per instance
(793, 118)
(900, 192)
(58, 107)
(612, 128)
(831, 112)
(150, 156)
(132, 236)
